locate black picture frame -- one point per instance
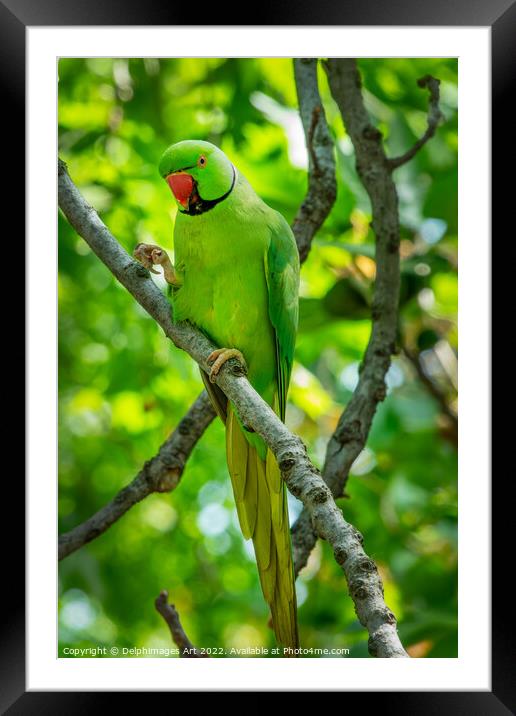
(500, 15)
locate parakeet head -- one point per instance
(199, 175)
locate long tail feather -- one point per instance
(262, 509)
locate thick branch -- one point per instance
(160, 474)
(434, 117)
(353, 427)
(302, 479)
(355, 423)
(322, 185)
(169, 613)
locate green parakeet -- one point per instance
(236, 277)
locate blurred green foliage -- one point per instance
(123, 387)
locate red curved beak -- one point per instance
(182, 186)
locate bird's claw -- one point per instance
(150, 255)
(220, 356)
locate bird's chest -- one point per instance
(224, 288)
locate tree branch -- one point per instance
(160, 474)
(322, 185)
(436, 392)
(374, 170)
(354, 425)
(434, 117)
(169, 613)
(302, 478)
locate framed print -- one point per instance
(264, 244)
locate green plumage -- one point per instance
(238, 267)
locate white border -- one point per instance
(472, 669)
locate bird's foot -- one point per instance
(150, 255)
(220, 356)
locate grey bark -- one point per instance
(354, 425)
(322, 185)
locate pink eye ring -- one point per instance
(202, 161)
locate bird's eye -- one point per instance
(202, 161)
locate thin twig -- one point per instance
(435, 391)
(160, 474)
(169, 613)
(434, 117)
